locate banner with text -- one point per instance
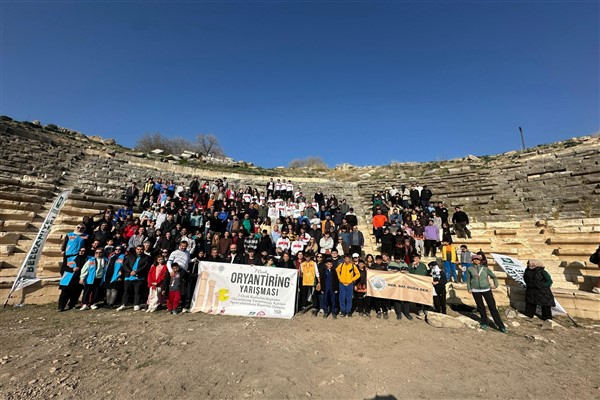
(400, 286)
(244, 290)
(515, 269)
(28, 273)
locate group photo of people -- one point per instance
(146, 254)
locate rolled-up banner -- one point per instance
(28, 273)
(515, 269)
(400, 286)
(245, 290)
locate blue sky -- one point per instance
(358, 82)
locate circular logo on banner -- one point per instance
(260, 314)
(223, 295)
(378, 283)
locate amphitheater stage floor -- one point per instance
(108, 355)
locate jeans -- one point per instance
(450, 269)
(328, 301)
(463, 274)
(346, 298)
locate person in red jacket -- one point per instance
(156, 276)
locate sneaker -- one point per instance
(349, 315)
(326, 315)
(385, 315)
(379, 315)
(408, 317)
(83, 308)
(175, 312)
(399, 316)
(185, 310)
(596, 290)
(136, 308)
(503, 330)
(343, 315)
(334, 316)
(315, 313)
(420, 313)
(149, 309)
(483, 326)
(121, 307)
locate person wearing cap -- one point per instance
(329, 287)
(347, 273)
(479, 286)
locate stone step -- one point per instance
(590, 239)
(18, 205)
(18, 215)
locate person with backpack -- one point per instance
(347, 273)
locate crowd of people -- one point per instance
(149, 258)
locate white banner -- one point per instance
(28, 273)
(515, 269)
(244, 290)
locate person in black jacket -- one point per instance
(234, 256)
(286, 261)
(135, 270)
(537, 291)
(439, 285)
(595, 259)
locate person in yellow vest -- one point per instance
(449, 258)
(309, 274)
(347, 273)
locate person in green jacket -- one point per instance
(479, 286)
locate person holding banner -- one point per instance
(479, 286)
(537, 291)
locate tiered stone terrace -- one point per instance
(543, 203)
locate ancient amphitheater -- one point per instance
(540, 203)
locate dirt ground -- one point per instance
(103, 354)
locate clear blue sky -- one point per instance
(358, 82)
